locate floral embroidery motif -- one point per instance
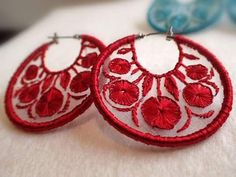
(28, 94)
(198, 95)
(49, 103)
(31, 72)
(50, 99)
(163, 111)
(45, 94)
(196, 72)
(81, 82)
(119, 66)
(123, 93)
(89, 60)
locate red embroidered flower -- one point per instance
(196, 72)
(119, 66)
(81, 82)
(124, 93)
(28, 94)
(50, 103)
(198, 95)
(89, 60)
(31, 72)
(161, 112)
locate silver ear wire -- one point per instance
(169, 34)
(55, 37)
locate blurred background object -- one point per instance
(187, 16)
(231, 8)
(17, 15)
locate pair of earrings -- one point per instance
(190, 16)
(180, 107)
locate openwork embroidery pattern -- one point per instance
(131, 89)
(43, 96)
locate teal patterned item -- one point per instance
(184, 17)
(231, 8)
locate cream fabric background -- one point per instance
(92, 147)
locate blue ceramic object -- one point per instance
(231, 8)
(184, 17)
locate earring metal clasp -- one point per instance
(169, 34)
(55, 37)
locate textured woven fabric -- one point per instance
(90, 147)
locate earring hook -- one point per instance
(55, 37)
(169, 34)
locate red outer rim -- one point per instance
(159, 140)
(42, 126)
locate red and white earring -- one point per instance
(180, 107)
(39, 99)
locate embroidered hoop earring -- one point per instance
(180, 107)
(184, 17)
(39, 99)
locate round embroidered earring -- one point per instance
(40, 99)
(182, 106)
(184, 16)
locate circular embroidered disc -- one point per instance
(39, 99)
(184, 17)
(180, 107)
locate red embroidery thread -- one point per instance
(47, 94)
(197, 94)
(119, 66)
(49, 103)
(123, 93)
(172, 87)
(196, 72)
(81, 82)
(161, 112)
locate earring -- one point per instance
(180, 107)
(184, 17)
(231, 8)
(39, 99)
